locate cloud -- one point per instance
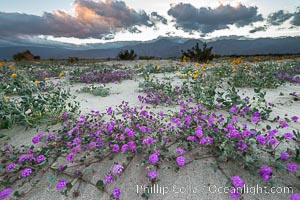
(158, 18)
(279, 17)
(296, 18)
(90, 20)
(206, 20)
(258, 29)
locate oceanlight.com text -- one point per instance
(213, 189)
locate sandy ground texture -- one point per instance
(197, 181)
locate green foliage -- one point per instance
(151, 69)
(196, 54)
(29, 110)
(203, 89)
(148, 58)
(72, 60)
(25, 55)
(126, 55)
(26, 101)
(261, 75)
(96, 90)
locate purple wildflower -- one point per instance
(61, 184)
(115, 148)
(295, 118)
(76, 141)
(152, 174)
(237, 181)
(5, 193)
(50, 135)
(10, 167)
(117, 169)
(191, 138)
(284, 155)
(198, 132)
(180, 151)
(109, 178)
(92, 144)
(124, 147)
(35, 140)
(241, 145)
(255, 119)
(295, 196)
(60, 167)
(132, 146)
(180, 160)
(116, 193)
(148, 140)
(283, 123)
(288, 135)
(64, 115)
(273, 142)
(24, 157)
(233, 109)
(109, 111)
(291, 167)
(234, 194)
(261, 139)
(129, 132)
(272, 132)
(218, 106)
(40, 158)
(153, 158)
(203, 141)
(26, 172)
(265, 172)
(70, 157)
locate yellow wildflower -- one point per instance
(36, 82)
(184, 75)
(46, 78)
(1, 64)
(6, 99)
(11, 67)
(194, 76)
(60, 74)
(158, 67)
(236, 61)
(196, 71)
(202, 67)
(196, 64)
(13, 75)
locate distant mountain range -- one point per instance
(163, 47)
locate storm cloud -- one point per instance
(158, 18)
(258, 29)
(206, 20)
(90, 20)
(279, 17)
(296, 18)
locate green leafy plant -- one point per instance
(95, 90)
(196, 54)
(127, 55)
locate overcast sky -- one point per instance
(85, 21)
